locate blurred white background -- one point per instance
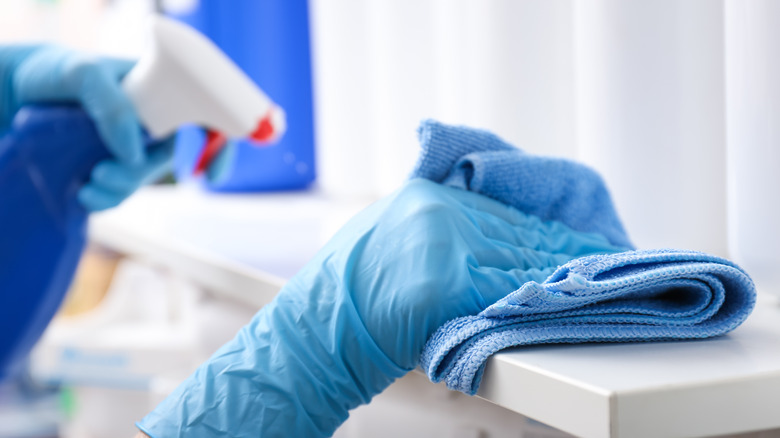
(381, 67)
(636, 89)
(112, 27)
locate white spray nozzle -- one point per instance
(185, 78)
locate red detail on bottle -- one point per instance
(264, 130)
(215, 141)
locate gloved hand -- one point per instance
(48, 74)
(358, 315)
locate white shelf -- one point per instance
(246, 246)
(728, 384)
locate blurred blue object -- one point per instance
(57, 162)
(45, 160)
(269, 40)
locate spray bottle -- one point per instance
(50, 151)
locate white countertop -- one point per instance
(245, 246)
(242, 245)
(722, 385)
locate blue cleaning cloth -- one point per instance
(547, 187)
(629, 296)
(624, 296)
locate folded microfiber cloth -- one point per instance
(623, 296)
(629, 296)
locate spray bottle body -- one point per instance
(50, 152)
(46, 157)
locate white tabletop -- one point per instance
(722, 385)
(245, 246)
(242, 245)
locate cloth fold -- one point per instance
(629, 296)
(548, 187)
(624, 296)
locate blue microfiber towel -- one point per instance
(550, 188)
(626, 296)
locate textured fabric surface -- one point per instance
(549, 188)
(629, 296)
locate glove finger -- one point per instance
(494, 219)
(59, 75)
(114, 116)
(507, 224)
(96, 198)
(116, 177)
(118, 67)
(12, 57)
(480, 203)
(532, 232)
(40, 77)
(123, 179)
(502, 255)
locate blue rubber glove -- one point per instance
(358, 315)
(50, 74)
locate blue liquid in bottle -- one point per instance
(44, 160)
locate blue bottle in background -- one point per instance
(45, 159)
(269, 40)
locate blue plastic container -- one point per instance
(44, 160)
(269, 40)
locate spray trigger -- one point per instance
(215, 142)
(263, 134)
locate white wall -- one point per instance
(381, 67)
(634, 88)
(115, 28)
(753, 129)
(651, 115)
